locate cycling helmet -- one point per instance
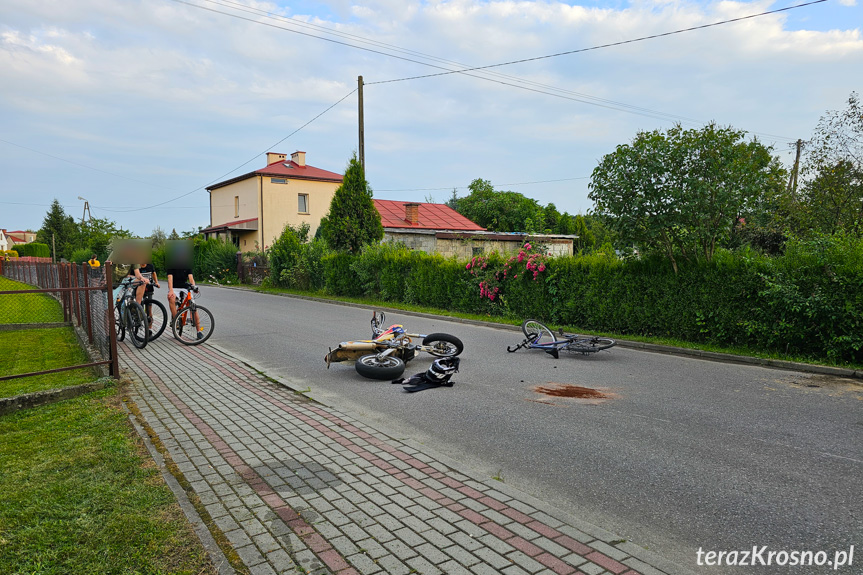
(442, 370)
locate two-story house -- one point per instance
(252, 210)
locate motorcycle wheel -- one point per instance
(374, 367)
(445, 345)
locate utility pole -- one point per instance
(362, 146)
(86, 210)
(792, 181)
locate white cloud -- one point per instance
(163, 88)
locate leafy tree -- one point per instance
(682, 192)
(500, 211)
(352, 221)
(551, 217)
(585, 240)
(174, 235)
(832, 195)
(97, 233)
(158, 237)
(59, 229)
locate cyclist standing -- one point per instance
(181, 275)
(135, 271)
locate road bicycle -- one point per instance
(129, 316)
(193, 323)
(538, 336)
(157, 315)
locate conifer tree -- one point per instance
(353, 221)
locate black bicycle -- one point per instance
(129, 316)
(157, 315)
(538, 336)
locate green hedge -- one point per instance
(807, 302)
(33, 249)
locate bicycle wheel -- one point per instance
(157, 315)
(590, 344)
(193, 325)
(136, 324)
(536, 332)
(119, 324)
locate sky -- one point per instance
(138, 105)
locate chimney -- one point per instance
(412, 213)
(273, 157)
(299, 158)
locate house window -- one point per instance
(278, 180)
(478, 251)
(236, 206)
(303, 203)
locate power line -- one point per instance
(511, 184)
(118, 209)
(238, 167)
(84, 165)
(576, 97)
(325, 30)
(612, 44)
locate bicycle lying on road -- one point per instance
(538, 336)
(129, 316)
(193, 323)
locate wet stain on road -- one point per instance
(564, 393)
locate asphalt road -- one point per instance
(684, 454)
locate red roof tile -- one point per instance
(291, 169)
(286, 169)
(431, 217)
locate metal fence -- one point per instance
(251, 271)
(83, 299)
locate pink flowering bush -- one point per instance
(493, 272)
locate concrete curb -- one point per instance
(28, 400)
(213, 550)
(650, 347)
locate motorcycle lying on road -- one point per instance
(384, 356)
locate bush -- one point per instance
(33, 249)
(339, 278)
(285, 253)
(808, 302)
(10, 253)
(158, 257)
(215, 260)
(80, 255)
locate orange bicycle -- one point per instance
(193, 323)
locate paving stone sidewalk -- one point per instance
(298, 487)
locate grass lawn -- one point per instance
(80, 496)
(28, 307)
(27, 350)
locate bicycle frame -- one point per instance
(547, 347)
(188, 305)
(574, 343)
(128, 294)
